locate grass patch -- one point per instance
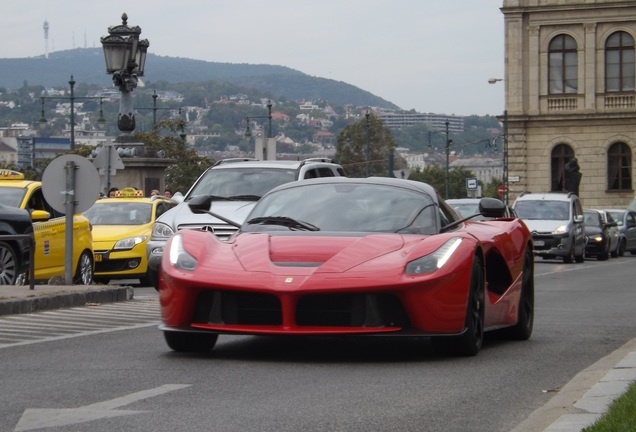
(621, 415)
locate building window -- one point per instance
(619, 167)
(563, 70)
(619, 63)
(561, 155)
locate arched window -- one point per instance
(619, 63)
(561, 155)
(563, 70)
(619, 167)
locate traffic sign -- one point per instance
(472, 184)
(501, 190)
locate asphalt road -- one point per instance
(127, 379)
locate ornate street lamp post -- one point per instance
(125, 57)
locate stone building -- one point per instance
(571, 93)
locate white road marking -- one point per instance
(38, 418)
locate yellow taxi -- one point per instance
(121, 228)
(49, 227)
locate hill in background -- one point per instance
(87, 66)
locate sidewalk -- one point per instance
(582, 401)
(21, 299)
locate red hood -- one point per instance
(329, 254)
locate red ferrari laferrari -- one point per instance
(351, 256)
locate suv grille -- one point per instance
(221, 230)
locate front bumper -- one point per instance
(154, 251)
(552, 245)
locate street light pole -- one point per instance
(448, 143)
(368, 148)
(248, 133)
(505, 176)
(71, 98)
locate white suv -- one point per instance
(235, 185)
(556, 222)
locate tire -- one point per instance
(469, 343)
(569, 258)
(84, 272)
(190, 342)
(9, 264)
(580, 258)
(148, 280)
(525, 322)
(603, 256)
(622, 245)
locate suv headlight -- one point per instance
(129, 243)
(431, 262)
(563, 229)
(161, 231)
(179, 257)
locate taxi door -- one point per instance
(50, 238)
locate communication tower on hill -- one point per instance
(46, 39)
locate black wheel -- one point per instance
(569, 258)
(604, 256)
(148, 280)
(622, 245)
(525, 322)
(84, 272)
(469, 343)
(190, 342)
(8, 264)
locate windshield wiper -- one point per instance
(288, 222)
(244, 198)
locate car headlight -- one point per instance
(561, 230)
(179, 257)
(598, 238)
(435, 260)
(129, 243)
(161, 231)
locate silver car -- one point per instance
(234, 185)
(626, 221)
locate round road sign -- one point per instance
(501, 190)
(86, 183)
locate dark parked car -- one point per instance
(597, 230)
(14, 253)
(626, 221)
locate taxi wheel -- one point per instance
(8, 264)
(84, 273)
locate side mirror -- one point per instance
(578, 218)
(200, 204)
(492, 207)
(40, 215)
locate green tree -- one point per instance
(188, 164)
(435, 175)
(351, 148)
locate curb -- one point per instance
(62, 299)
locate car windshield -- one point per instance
(466, 210)
(592, 219)
(119, 213)
(241, 182)
(617, 216)
(542, 210)
(347, 207)
(11, 196)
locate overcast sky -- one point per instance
(428, 55)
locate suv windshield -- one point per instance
(542, 210)
(233, 182)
